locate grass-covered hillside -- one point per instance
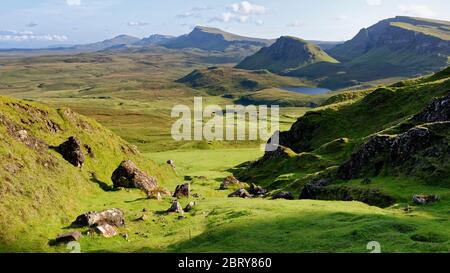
(287, 53)
(396, 47)
(41, 192)
(394, 133)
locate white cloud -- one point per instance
(242, 12)
(374, 2)
(31, 24)
(194, 12)
(137, 24)
(22, 36)
(296, 23)
(259, 22)
(246, 7)
(73, 2)
(417, 10)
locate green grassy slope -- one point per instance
(325, 138)
(287, 53)
(41, 193)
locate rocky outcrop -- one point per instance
(283, 195)
(438, 110)
(381, 151)
(182, 191)
(229, 182)
(409, 143)
(242, 193)
(127, 175)
(371, 154)
(71, 150)
(114, 217)
(309, 190)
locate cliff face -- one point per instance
(397, 34)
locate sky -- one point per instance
(30, 23)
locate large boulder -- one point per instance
(106, 230)
(182, 191)
(127, 175)
(72, 151)
(190, 206)
(114, 217)
(229, 181)
(242, 193)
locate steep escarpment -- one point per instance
(402, 130)
(53, 163)
(396, 47)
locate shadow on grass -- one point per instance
(311, 233)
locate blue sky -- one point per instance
(26, 22)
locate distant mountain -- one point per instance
(396, 47)
(155, 39)
(118, 41)
(402, 36)
(214, 39)
(285, 54)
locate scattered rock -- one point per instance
(171, 163)
(425, 199)
(242, 193)
(72, 152)
(142, 218)
(229, 181)
(125, 236)
(196, 195)
(89, 150)
(105, 230)
(181, 217)
(190, 206)
(283, 195)
(175, 208)
(113, 217)
(144, 210)
(182, 191)
(257, 190)
(18, 132)
(68, 237)
(127, 175)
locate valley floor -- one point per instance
(222, 224)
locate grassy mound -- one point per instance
(229, 81)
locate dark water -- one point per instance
(306, 90)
